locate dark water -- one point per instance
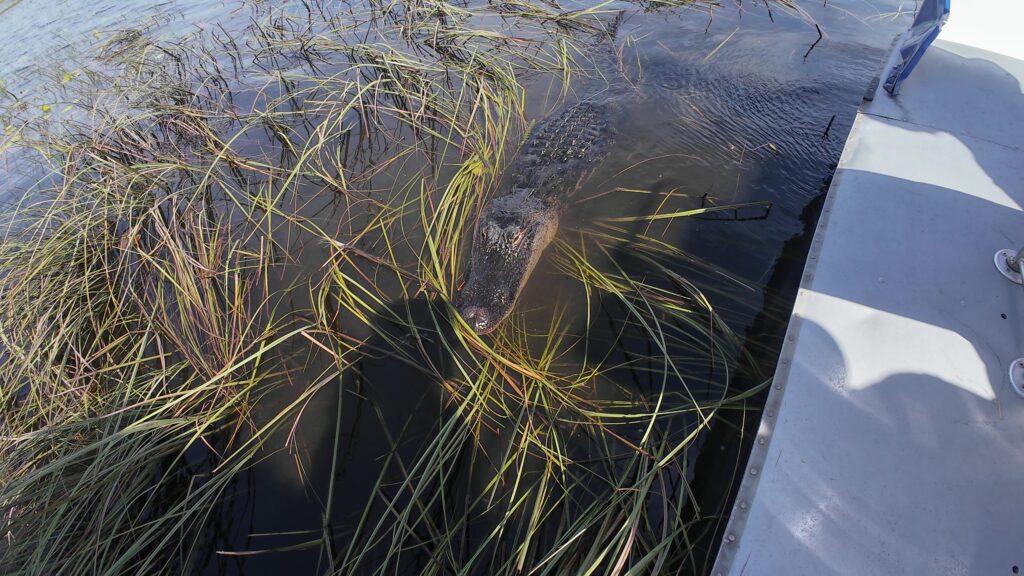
(739, 103)
(732, 112)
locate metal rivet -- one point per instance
(753, 471)
(731, 537)
(778, 386)
(760, 441)
(785, 360)
(771, 413)
(743, 505)
(791, 337)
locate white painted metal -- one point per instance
(893, 439)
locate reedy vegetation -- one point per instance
(156, 289)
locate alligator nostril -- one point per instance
(477, 318)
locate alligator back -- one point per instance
(561, 151)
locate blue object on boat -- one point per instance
(927, 23)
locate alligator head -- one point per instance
(511, 236)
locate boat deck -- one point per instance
(892, 441)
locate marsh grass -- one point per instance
(157, 288)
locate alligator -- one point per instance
(518, 224)
(516, 227)
(730, 112)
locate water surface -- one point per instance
(734, 104)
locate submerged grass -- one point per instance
(222, 219)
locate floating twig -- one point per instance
(719, 47)
(829, 127)
(818, 28)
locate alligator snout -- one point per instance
(479, 319)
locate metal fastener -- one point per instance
(1008, 262)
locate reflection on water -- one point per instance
(729, 108)
(42, 40)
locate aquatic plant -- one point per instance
(226, 219)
